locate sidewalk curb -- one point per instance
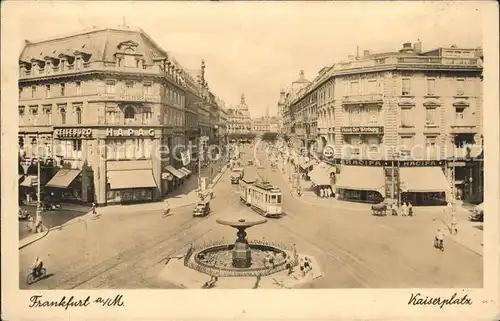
(472, 249)
(44, 234)
(83, 217)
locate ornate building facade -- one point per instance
(110, 108)
(397, 117)
(239, 121)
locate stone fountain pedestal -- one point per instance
(242, 256)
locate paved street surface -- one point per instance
(51, 218)
(354, 248)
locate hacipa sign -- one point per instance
(73, 133)
(362, 130)
(119, 132)
(395, 163)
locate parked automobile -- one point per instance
(477, 213)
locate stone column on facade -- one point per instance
(156, 165)
(100, 173)
(85, 180)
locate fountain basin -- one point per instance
(218, 260)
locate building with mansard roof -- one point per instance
(113, 112)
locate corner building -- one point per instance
(405, 124)
(104, 104)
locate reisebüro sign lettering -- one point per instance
(73, 133)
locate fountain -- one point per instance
(242, 257)
(227, 262)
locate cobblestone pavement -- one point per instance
(354, 248)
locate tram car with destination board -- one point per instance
(263, 197)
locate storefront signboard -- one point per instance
(129, 132)
(388, 163)
(73, 133)
(362, 130)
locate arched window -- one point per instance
(63, 116)
(78, 112)
(129, 112)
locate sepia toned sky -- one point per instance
(258, 48)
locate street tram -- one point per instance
(263, 197)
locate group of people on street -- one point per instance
(405, 208)
(325, 192)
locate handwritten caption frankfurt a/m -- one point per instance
(66, 302)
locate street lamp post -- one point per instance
(38, 214)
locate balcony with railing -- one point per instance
(103, 67)
(463, 127)
(362, 99)
(408, 61)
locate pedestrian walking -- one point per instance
(94, 211)
(329, 192)
(454, 228)
(404, 209)
(321, 193)
(410, 209)
(392, 208)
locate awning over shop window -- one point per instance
(29, 181)
(175, 172)
(185, 171)
(63, 178)
(139, 178)
(362, 178)
(308, 164)
(320, 175)
(423, 179)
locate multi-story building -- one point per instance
(274, 124)
(291, 118)
(260, 125)
(223, 120)
(110, 106)
(239, 121)
(405, 124)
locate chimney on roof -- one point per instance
(407, 48)
(417, 47)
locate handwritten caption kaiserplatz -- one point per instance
(66, 302)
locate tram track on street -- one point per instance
(350, 259)
(94, 271)
(152, 246)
